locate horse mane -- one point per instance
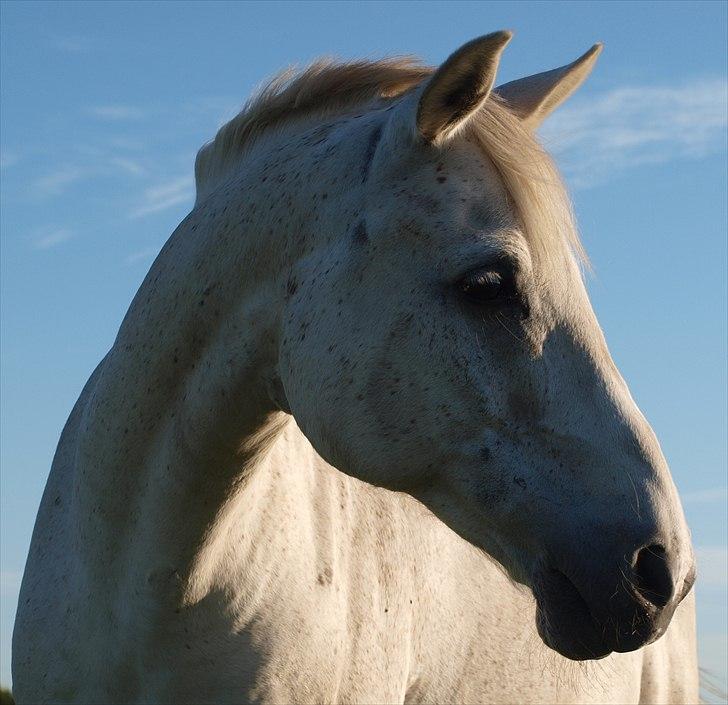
(327, 87)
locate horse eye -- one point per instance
(483, 286)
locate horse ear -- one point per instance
(535, 97)
(460, 86)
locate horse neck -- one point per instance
(176, 440)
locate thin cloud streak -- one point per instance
(633, 126)
(58, 181)
(141, 255)
(72, 44)
(10, 582)
(712, 566)
(709, 496)
(8, 159)
(128, 166)
(117, 112)
(52, 238)
(166, 195)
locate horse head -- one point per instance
(441, 343)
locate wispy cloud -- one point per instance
(126, 143)
(212, 110)
(712, 565)
(142, 255)
(10, 582)
(47, 238)
(129, 166)
(116, 112)
(56, 182)
(8, 159)
(630, 126)
(98, 164)
(72, 44)
(709, 496)
(165, 195)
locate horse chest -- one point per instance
(294, 646)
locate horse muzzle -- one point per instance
(582, 614)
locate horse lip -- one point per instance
(566, 624)
(563, 618)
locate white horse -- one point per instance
(359, 438)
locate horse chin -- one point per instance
(564, 621)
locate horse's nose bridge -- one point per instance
(586, 397)
(612, 452)
(630, 501)
(612, 474)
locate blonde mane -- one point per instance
(327, 87)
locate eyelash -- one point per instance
(483, 285)
(492, 287)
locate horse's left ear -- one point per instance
(535, 97)
(460, 86)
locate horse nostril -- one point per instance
(653, 575)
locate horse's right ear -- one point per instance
(459, 87)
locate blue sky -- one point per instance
(104, 106)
